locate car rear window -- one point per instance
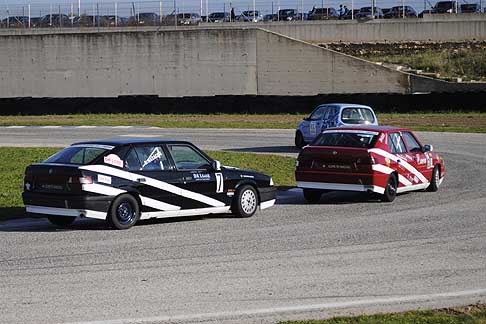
(345, 138)
(357, 115)
(78, 155)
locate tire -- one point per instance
(390, 189)
(312, 195)
(434, 182)
(124, 212)
(245, 202)
(61, 221)
(299, 140)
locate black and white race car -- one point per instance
(124, 180)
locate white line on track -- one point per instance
(16, 126)
(51, 126)
(294, 309)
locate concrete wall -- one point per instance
(290, 67)
(201, 62)
(168, 64)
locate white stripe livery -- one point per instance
(387, 170)
(404, 163)
(154, 183)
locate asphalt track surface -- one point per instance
(344, 255)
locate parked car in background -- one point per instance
(385, 11)
(144, 19)
(323, 14)
(250, 16)
(286, 14)
(112, 21)
(15, 22)
(56, 20)
(87, 21)
(188, 18)
(332, 115)
(35, 22)
(269, 17)
(219, 17)
(298, 16)
(366, 12)
(446, 7)
(351, 14)
(470, 8)
(425, 12)
(401, 11)
(124, 180)
(379, 160)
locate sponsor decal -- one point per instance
(201, 176)
(382, 137)
(113, 159)
(219, 182)
(246, 176)
(104, 179)
(313, 128)
(155, 155)
(430, 160)
(51, 187)
(387, 161)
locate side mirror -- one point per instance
(427, 148)
(216, 165)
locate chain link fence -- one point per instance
(194, 12)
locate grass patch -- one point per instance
(441, 122)
(464, 315)
(15, 160)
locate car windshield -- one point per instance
(344, 138)
(217, 15)
(357, 115)
(287, 12)
(249, 13)
(79, 155)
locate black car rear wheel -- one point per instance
(61, 221)
(124, 212)
(245, 202)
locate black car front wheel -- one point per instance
(124, 212)
(245, 201)
(61, 221)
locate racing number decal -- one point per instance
(313, 128)
(219, 182)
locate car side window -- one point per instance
(318, 114)
(396, 144)
(412, 144)
(186, 158)
(146, 158)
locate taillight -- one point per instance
(28, 181)
(81, 180)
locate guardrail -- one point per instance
(192, 12)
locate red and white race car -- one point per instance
(375, 159)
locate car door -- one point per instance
(397, 148)
(155, 179)
(421, 161)
(315, 123)
(203, 186)
(330, 118)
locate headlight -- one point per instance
(271, 181)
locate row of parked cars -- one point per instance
(125, 180)
(153, 19)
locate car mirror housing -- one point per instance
(216, 165)
(427, 148)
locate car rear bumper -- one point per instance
(340, 186)
(64, 205)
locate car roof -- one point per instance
(131, 140)
(375, 128)
(341, 105)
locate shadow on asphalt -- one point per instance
(296, 197)
(267, 149)
(41, 224)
